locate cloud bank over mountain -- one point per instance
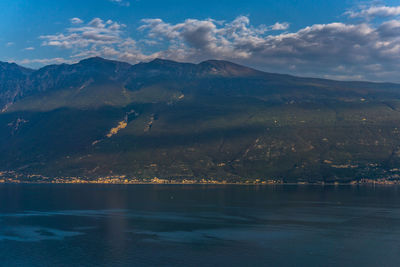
(365, 45)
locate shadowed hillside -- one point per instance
(175, 120)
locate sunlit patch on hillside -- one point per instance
(115, 130)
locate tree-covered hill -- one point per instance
(215, 120)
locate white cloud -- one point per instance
(95, 33)
(280, 26)
(97, 38)
(354, 50)
(315, 50)
(30, 48)
(209, 38)
(9, 44)
(375, 11)
(44, 61)
(76, 21)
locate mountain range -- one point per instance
(213, 120)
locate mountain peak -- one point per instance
(164, 62)
(96, 59)
(226, 68)
(102, 65)
(159, 60)
(14, 67)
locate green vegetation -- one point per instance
(211, 120)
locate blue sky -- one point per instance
(347, 40)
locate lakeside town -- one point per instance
(12, 177)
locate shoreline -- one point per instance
(12, 177)
(198, 183)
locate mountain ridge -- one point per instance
(213, 120)
(96, 69)
(158, 60)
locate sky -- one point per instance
(335, 39)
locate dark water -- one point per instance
(173, 225)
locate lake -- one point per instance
(199, 225)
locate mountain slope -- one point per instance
(214, 120)
(12, 82)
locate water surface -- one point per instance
(199, 225)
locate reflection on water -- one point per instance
(199, 225)
(32, 234)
